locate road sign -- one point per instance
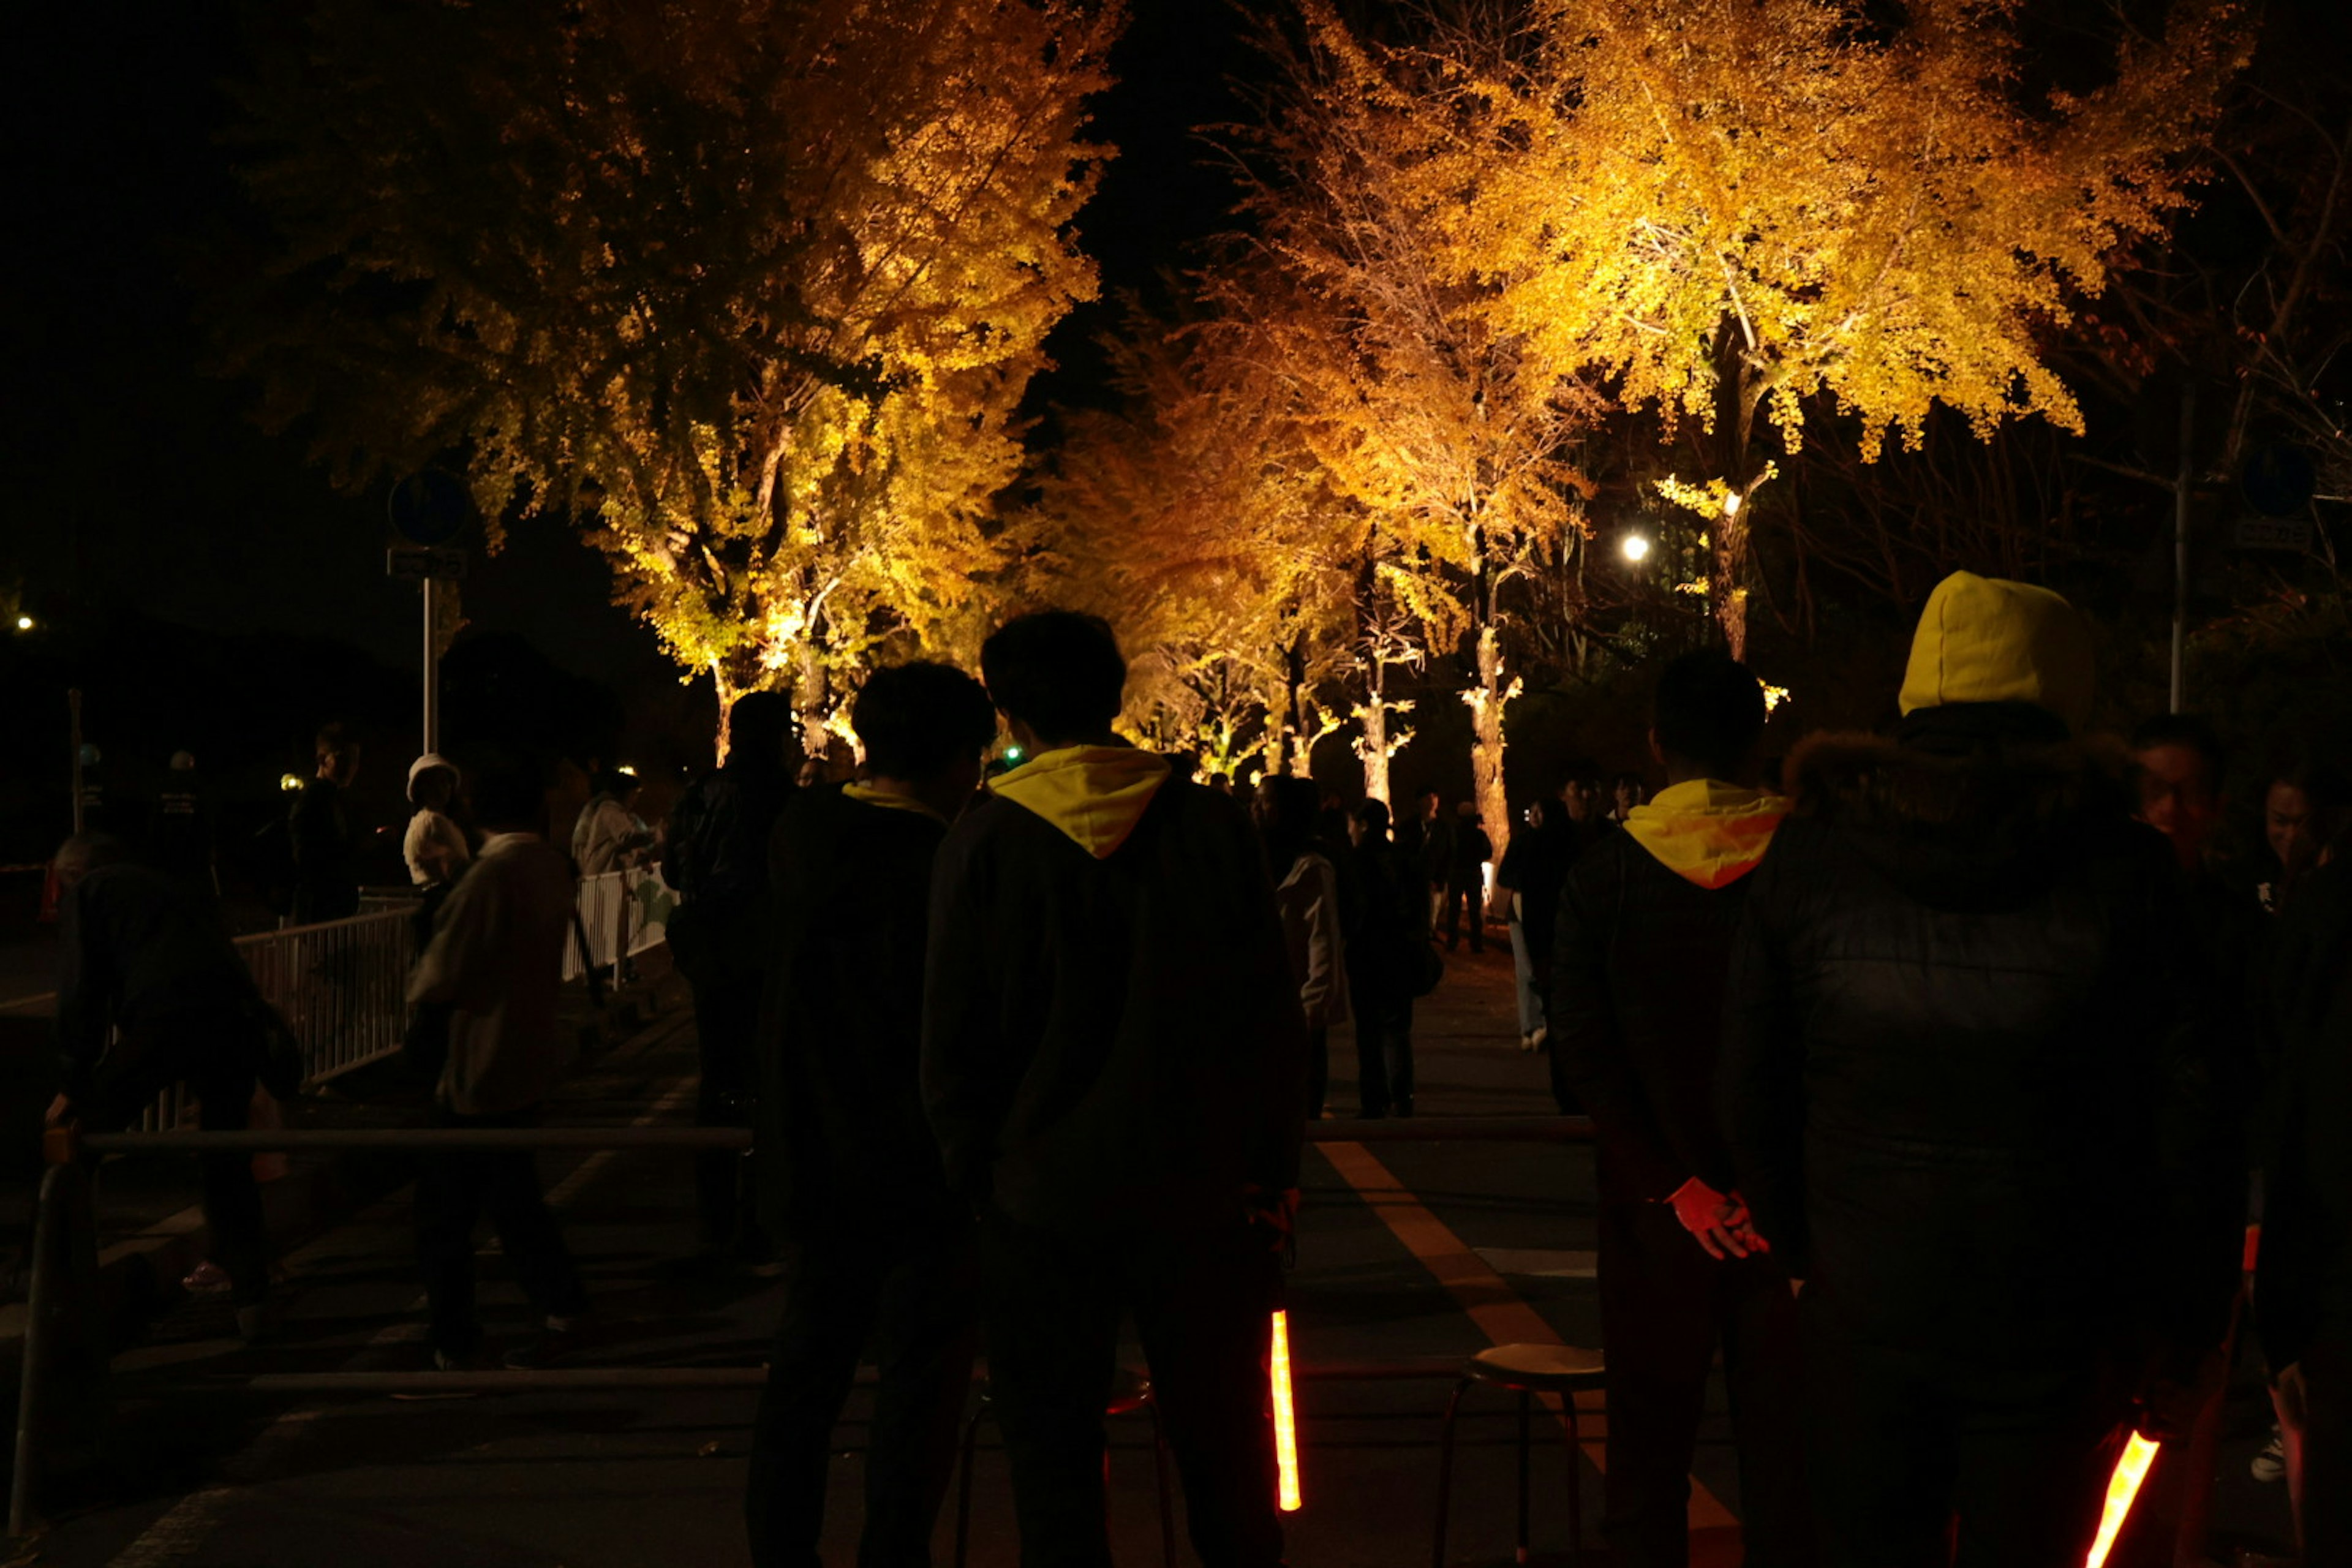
(431, 506)
(2270, 533)
(417, 563)
(2278, 479)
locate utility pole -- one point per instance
(433, 669)
(73, 707)
(2180, 545)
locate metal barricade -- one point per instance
(341, 985)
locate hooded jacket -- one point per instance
(1111, 1038)
(842, 1137)
(1962, 1079)
(1642, 946)
(496, 961)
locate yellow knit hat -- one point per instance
(1984, 639)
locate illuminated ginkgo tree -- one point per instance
(1732, 209)
(750, 292)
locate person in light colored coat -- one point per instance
(1307, 892)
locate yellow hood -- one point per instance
(1706, 832)
(1094, 793)
(1986, 639)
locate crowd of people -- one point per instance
(1926, 1093)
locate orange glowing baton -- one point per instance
(2121, 1488)
(1285, 1420)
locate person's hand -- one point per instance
(1719, 1221)
(60, 1111)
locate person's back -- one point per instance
(1958, 1091)
(497, 957)
(877, 1249)
(1113, 1060)
(1645, 925)
(324, 842)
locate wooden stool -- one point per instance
(1130, 1393)
(1526, 1371)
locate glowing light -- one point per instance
(289, 783)
(1731, 504)
(24, 623)
(1014, 754)
(1285, 1420)
(625, 771)
(1635, 548)
(1774, 696)
(2121, 1488)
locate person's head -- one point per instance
(2302, 811)
(1184, 766)
(1286, 809)
(1468, 812)
(339, 755)
(1625, 792)
(1431, 802)
(1535, 815)
(432, 783)
(510, 791)
(759, 729)
(1704, 722)
(928, 727)
(1369, 823)
(1058, 675)
(2179, 762)
(1581, 794)
(1985, 640)
(85, 852)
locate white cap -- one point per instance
(426, 764)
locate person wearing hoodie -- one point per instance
(876, 1247)
(1113, 1061)
(435, 847)
(1969, 1100)
(1642, 945)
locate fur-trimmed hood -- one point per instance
(1970, 805)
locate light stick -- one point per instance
(1286, 1422)
(2121, 1488)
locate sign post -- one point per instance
(429, 507)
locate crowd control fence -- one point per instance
(64, 1381)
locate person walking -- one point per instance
(1532, 873)
(1966, 1099)
(875, 1246)
(718, 861)
(143, 960)
(1431, 842)
(1392, 952)
(1465, 887)
(325, 844)
(495, 963)
(1643, 945)
(1113, 1060)
(1307, 890)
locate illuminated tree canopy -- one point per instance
(751, 292)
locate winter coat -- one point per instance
(716, 860)
(1386, 959)
(2304, 1280)
(326, 854)
(1111, 1034)
(1962, 1081)
(1643, 952)
(1308, 901)
(136, 947)
(1471, 850)
(841, 1132)
(496, 962)
(605, 835)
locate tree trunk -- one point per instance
(1486, 701)
(1726, 581)
(810, 695)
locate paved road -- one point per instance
(1407, 1251)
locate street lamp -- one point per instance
(1635, 548)
(24, 623)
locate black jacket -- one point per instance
(1113, 1043)
(1534, 867)
(2304, 1281)
(1639, 964)
(326, 854)
(716, 858)
(1962, 1083)
(1388, 950)
(839, 1120)
(137, 954)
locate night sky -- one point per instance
(142, 491)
